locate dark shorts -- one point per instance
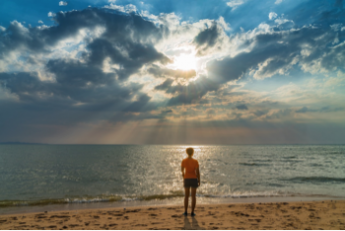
(187, 183)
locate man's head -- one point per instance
(190, 151)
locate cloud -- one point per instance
(272, 52)
(277, 2)
(166, 72)
(62, 3)
(242, 107)
(82, 84)
(272, 15)
(323, 109)
(302, 110)
(99, 66)
(40, 21)
(51, 14)
(165, 85)
(235, 3)
(127, 8)
(188, 94)
(207, 38)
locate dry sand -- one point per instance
(292, 215)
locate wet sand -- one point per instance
(282, 215)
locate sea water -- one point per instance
(60, 174)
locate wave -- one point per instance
(253, 164)
(116, 198)
(8, 203)
(289, 157)
(313, 179)
(248, 194)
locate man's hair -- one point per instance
(190, 151)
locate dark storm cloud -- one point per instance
(165, 85)
(271, 53)
(75, 74)
(80, 89)
(127, 41)
(323, 109)
(188, 94)
(303, 110)
(68, 90)
(23, 83)
(120, 28)
(242, 107)
(166, 72)
(277, 51)
(207, 38)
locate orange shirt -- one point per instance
(190, 165)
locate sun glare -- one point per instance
(185, 62)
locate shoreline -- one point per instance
(22, 209)
(319, 214)
(178, 201)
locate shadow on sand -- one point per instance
(191, 223)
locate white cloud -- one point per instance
(234, 3)
(281, 21)
(336, 81)
(272, 15)
(51, 14)
(2, 28)
(278, 2)
(40, 21)
(62, 3)
(222, 23)
(127, 8)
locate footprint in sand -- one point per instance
(133, 211)
(57, 216)
(117, 215)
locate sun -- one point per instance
(184, 62)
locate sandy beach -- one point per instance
(283, 215)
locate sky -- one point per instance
(172, 72)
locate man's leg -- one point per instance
(186, 197)
(193, 199)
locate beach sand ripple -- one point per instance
(294, 215)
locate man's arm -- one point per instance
(198, 175)
(182, 170)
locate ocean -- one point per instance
(68, 174)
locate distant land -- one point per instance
(18, 143)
